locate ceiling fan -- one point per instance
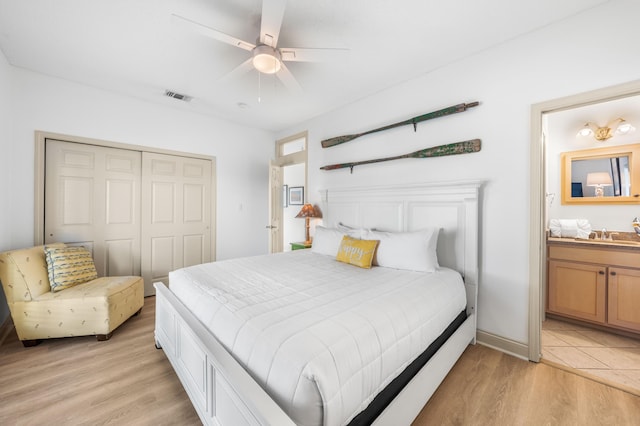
(266, 56)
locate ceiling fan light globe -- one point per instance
(266, 59)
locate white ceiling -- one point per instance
(133, 47)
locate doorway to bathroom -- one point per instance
(610, 356)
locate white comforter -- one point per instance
(322, 337)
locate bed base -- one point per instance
(223, 393)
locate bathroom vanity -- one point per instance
(595, 280)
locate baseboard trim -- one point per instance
(5, 329)
(511, 347)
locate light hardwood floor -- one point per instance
(126, 381)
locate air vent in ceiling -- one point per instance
(178, 96)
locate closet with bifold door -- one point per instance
(138, 212)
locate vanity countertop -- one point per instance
(622, 243)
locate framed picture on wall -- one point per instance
(285, 195)
(296, 195)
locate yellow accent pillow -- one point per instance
(69, 266)
(357, 252)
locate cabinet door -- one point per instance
(624, 298)
(577, 290)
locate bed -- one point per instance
(224, 392)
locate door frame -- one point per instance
(537, 210)
(38, 203)
(281, 160)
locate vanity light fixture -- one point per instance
(599, 179)
(618, 126)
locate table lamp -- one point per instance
(308, 211)
(599, 179)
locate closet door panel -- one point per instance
(194, 250)
(118, 259)
(92, 199)
(176, 199)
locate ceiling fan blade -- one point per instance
(210, 32)
(301, 54)
(241, 69)
(272, 14)
(288, 79)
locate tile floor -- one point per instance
(608, 356)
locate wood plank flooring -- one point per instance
(487, 387)
(126, 381)
(79, 381)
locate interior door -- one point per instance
(176, 215)
(92, 199)
(275, 209)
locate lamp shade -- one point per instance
(309, 211)
(599, 179)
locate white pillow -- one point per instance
(351, 231)
(326, 241)
(413, 251)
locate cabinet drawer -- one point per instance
(618, 257)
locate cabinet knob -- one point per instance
(601, 272)
(613, 273)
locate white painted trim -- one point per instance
(511, 347)
(537, 247)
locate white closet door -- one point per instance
(92, 199)
(176, 215)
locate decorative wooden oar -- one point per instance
(415, 120)
(464, 147)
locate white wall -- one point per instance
(6, 118)
(556, 61)
(39, 102)
(242, 154)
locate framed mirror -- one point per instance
(608, 175)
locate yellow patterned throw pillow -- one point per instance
(69, 266)
(357, 252)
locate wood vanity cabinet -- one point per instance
(595, 282)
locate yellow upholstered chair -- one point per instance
(95, 307)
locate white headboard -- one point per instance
(451, 206)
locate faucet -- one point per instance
(603, 234)
(636, 225)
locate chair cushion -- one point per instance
(69, 266)
(95, 307)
